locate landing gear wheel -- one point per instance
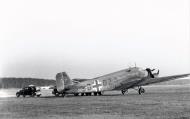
(141, 90)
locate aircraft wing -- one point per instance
(160, 79)
(147, 81)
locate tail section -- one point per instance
(62, 81)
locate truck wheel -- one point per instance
(17, 95)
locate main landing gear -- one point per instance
(124, 91)
(141, 90)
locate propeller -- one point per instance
(152, 75)
(156, 74)
(150, 72)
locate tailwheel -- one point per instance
(141, 90)
(63, 94)
(124, 91)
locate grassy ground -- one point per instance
(157, 102)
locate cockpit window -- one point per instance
(128, 70)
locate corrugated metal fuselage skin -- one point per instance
(113, 81)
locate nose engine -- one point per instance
(151, 74)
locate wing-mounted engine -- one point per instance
(62, 81)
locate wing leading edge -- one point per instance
(161, 79)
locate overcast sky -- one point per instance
(85, 38)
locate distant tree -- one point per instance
(22, 82)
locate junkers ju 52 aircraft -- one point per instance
(133, 77)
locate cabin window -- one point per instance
(104, 82)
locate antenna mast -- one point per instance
(135, 64)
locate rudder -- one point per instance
(62, 81)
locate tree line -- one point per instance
(22, 82)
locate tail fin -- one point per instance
(62, 81)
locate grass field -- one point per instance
(165, 102)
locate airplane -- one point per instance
(130, 78)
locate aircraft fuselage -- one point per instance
(113, 81)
